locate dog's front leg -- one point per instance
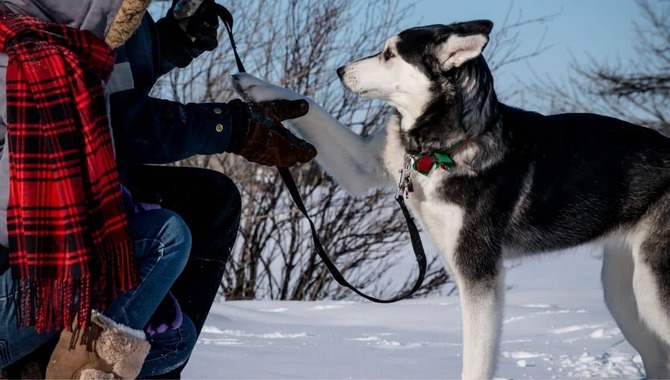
(482, 299)
(356, 163)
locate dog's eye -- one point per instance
(388, 54)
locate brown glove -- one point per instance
(259, 136)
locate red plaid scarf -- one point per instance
(68, 232)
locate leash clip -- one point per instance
(405, 185)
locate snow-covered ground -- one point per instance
(556, 325)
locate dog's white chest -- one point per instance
(442, 221)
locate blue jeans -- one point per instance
(15, 342)
(162, 245)
(210, 204)
(169, 350)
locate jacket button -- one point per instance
(219, 127)
(217, 110)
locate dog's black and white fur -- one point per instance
(525, 183)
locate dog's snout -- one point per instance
(340, 72)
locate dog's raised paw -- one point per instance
(243, 84)
(251, 88)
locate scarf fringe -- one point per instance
(118, 273)
(48, 304)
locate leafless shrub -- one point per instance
(299, 44)
(638, 90)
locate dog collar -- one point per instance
(425, 164)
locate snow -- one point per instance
(556, 325)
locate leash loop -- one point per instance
(227, 19)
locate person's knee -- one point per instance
(231, 200)
(161, 235)
(175, 236)
(216, 237)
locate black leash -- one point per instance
(227, 19)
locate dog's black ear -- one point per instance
(465, 42)
(473, 27)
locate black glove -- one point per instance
(185, 33)
(258, 135)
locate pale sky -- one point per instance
(602, 29)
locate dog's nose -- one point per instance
(340, 72)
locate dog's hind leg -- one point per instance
(650, 242)
(617, 279)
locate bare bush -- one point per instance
(638, 91)
(299, 44)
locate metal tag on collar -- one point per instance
(405, 185)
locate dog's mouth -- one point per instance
(353, 85)
(363, 93)
(358, 92)
(349, 83)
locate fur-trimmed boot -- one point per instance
(106, 350)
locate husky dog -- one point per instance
(491, 181)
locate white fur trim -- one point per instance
(95, 374)
(120, 346)
(126, 20)
(106, 323)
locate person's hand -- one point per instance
(259, 136)
(189, 28)
(199, 24)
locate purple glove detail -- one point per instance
(133, 206)
(144, 206)
(168, 316)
